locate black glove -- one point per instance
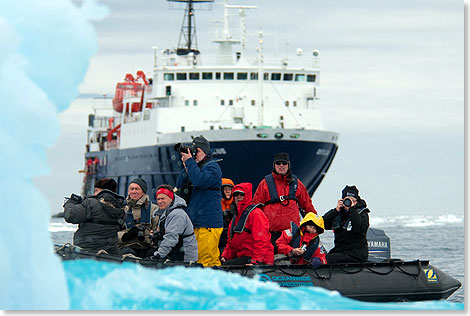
(156, 258)
(75, 198)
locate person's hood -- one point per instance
(227, 181)
(178, 202)
(317, 220)
(112, 198)
(245, 187)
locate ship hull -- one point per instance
(247, 160)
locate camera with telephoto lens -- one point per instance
(182, 148)
(347, 202)
(134, 232)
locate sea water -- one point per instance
(104, 286)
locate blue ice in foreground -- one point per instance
(44, 55)
(101, 285)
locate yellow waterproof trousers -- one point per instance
(208, 245)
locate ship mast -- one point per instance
(187, 42)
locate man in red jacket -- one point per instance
(282, 194)
(248, 233)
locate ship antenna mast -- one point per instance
(188, 29)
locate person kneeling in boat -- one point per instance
(136, 238)
(99, 217)
(174, 237)
(302, 244)
(349, 222)
(249, 240)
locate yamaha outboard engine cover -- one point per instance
(379, 245)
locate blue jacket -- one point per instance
(204, 208)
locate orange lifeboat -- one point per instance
(131, 88)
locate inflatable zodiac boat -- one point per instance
(380, 280)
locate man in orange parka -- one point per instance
(283, 194)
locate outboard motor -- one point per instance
(379, 245)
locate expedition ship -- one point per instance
(248, 109)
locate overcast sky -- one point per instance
(392, 86)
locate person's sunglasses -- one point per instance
(281, 163)
(238, 194)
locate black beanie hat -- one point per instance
(350, 191)
(281, 157)
(141, 183)
(106, 184)
(201, 142)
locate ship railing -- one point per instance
(291, 61)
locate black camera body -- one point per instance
(182, 148)
(135, 232)
(347, 202)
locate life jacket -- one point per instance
(144, 216)
(177, 253)
(347, 225)
(275, 198)
(240, 227)
(295, 242)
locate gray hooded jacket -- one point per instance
(177, 223)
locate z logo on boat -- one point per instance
(430, 275)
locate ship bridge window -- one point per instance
(275, 76)
(194, 102)
(253, 102)
(230, 102)
(228, 75)
(222, 102)
(287, 77)
(181, 76)
(217, 76)
(193, 76)
(299, 77)
(266, 76)
(186, 102)
(168, 76)
(253, 76)
(311, 78)
(207, 76)
(287, 103)
(242, 76)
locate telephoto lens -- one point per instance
(347, 202)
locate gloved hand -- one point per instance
(316, 262)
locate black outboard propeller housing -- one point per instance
(379, 245)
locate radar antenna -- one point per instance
(187, 42)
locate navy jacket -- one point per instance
(204, 208)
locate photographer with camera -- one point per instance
(136, 238)
(349, 222)
(174, 237)
(204, 207)
(99, 217)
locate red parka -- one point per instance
(280, 215)
(254, 243)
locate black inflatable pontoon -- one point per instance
(387, 281)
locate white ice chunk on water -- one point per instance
(45, 51)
